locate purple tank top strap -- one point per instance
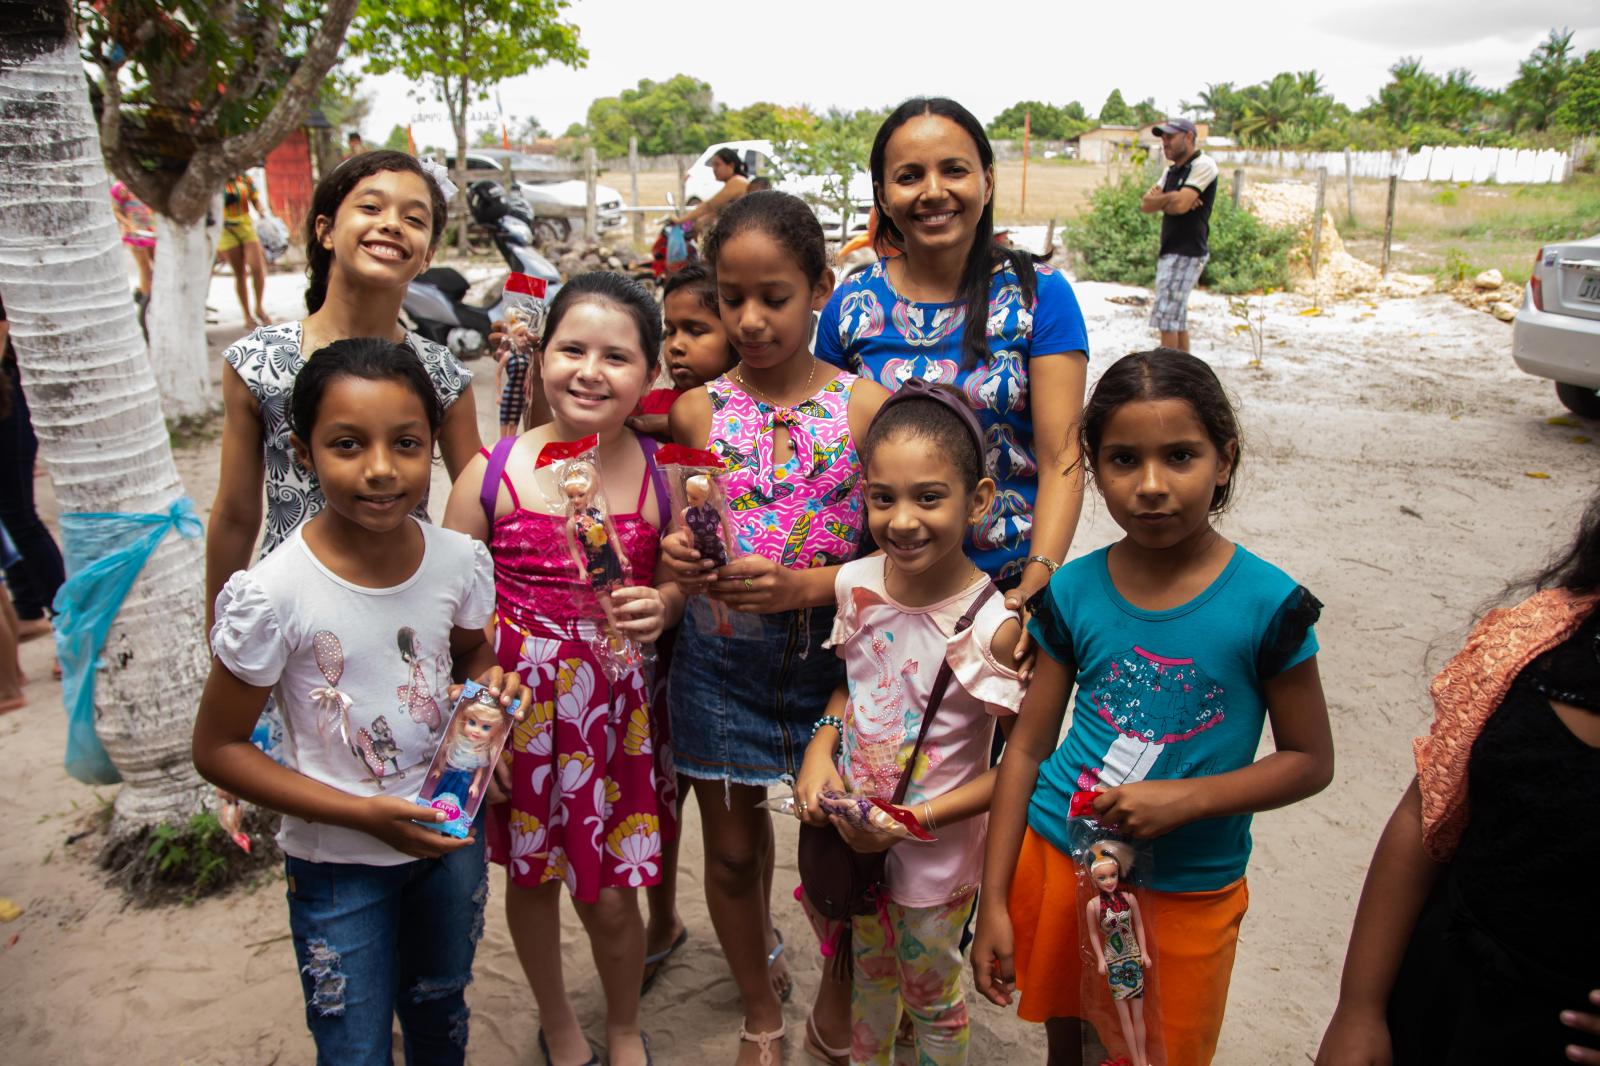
(653, 475)
(493, 474)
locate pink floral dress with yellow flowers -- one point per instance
(591, 794)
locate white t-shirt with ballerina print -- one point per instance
(362, 675)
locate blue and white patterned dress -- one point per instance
(872, 330)
(267, 359)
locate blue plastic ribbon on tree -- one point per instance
(105, 553)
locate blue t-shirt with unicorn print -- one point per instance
(1167, 694)
(873, 331)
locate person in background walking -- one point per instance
(357, 145)
(138, 227)
(1183, 197)
(240, 246)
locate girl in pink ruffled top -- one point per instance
(898, 621)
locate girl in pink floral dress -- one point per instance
(590, 803)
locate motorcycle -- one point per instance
(435, 304)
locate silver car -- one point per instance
(1556, 334)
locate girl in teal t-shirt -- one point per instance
(1181, 644)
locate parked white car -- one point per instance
(760, 158)
(1556, 334)
(553, 200)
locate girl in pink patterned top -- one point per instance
(590, 805)
(742, 709)
(899, 621)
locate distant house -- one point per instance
(1106, 143)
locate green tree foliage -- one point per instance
(1145, 112)
(834, 146)
(190, 94)
(462, 48)
(1285, 110)
(1223, 102)
(1048, 121)
(397, 141)
(1115, 111)
(672, 117)
(1534, 95)
(1115, 241)
(1579, 110)
(1414, 97)
(762, 121)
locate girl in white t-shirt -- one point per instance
(897, 623)
(360, 624)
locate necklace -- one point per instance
(889, 570)
(738, 375)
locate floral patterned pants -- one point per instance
(910, 957)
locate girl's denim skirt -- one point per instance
(742, 709)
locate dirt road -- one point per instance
(1385, 466)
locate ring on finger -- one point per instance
(748, 584)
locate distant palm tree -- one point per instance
(1273, 113)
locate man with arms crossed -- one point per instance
(1184, 196)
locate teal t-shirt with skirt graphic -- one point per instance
(1167, 694)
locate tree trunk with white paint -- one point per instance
(176, 320)
(96, 409)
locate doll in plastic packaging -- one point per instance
(459, 773)
(1116, 933)
(704, 520)
(588, 527)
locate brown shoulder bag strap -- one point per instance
(936, 696)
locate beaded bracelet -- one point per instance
(828, 719)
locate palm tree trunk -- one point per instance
(96, 408)
(176, 320)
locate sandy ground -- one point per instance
(1386, 466)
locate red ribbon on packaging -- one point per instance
(1082, 804)
(678, 455)
(904, 817)
(558, 450)
(526, 284)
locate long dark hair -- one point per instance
(1576, 568)
(341, 182)
(1165, 374)
(370, 358)
(730, 157)
(986, 253)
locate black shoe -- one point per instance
(594, 1060)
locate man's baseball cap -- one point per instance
(1174, 125)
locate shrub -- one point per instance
(1247, 255)
(1115, 241)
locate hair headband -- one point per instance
(944, 395)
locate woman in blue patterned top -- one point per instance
(958, 307)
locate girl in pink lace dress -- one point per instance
(589, 803)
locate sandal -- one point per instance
(906, 1035)
(772, 957)
(764, 1041)
(594, 1060)
(653, 963)
(833, 1056)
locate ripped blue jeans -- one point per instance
(378, 941)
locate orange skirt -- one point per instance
(1193, 934)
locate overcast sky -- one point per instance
(989, 54)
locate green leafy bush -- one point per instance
(1247, 255)
(1115, 241)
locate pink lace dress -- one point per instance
(591, 802)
